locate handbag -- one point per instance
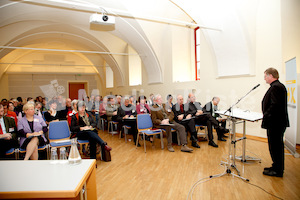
(105, 155)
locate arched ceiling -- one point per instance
(24, 23)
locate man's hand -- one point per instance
(165, 121)
(180, 117)
(199, 112)
(189, 116)
(6, 136)
(126, 116)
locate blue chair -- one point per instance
(40, 148)
(144, 126)
(81, 143)
(59, 134)
(198, 128)
(112, 126)
(12, 151)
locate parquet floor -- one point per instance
(160, 174)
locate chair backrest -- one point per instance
(144, 122)
(59, 130)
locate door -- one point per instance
(74, 88)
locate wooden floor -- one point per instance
(160, 174)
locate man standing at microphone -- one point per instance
(275, 120)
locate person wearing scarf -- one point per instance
(84, 125)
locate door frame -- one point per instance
(86, 86)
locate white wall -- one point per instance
(262, 27)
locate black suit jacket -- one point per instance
(274, 106)
(193, 107)
(10, 127)
(176, 110)
(208, 109)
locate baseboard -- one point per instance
(252, 137)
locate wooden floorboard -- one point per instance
(160, 174)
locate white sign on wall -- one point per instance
(291, 86)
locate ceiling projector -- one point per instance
(102, 19)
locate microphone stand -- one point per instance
(231, 154)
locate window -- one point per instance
(197, 53)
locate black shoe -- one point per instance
(222, 139)
(213, 144)
(268, 168)
(225, 136)
(195, 144)
(271, 172)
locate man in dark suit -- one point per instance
(211, 107)
(8, 133)
(201, 118)
(182, 117)
(162, 118)
(275, 120)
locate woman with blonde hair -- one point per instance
(31, 128)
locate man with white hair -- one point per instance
(195, 109)
(163, 118)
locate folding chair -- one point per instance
(12, 151)
(59, 134)
(198, 127)
(144, 126)
(111, 126)
(125, 128)
(40, 148)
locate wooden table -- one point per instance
(42, 180)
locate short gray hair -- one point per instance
(81, 104)
(75, 101)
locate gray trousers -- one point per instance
(179, 128)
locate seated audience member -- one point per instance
(52, 114)
(31, 129)
(111, 109)
(84, 125)
(102, 108)
(96, 107)
(30, 99)
(9, 113)
(195, 109)
(37, 109)
(15, 102)
(66, 108)
(161, 116)
(73, 112)
(182, 117)
(119, 99)
(169, 102)
(132, 100)
(150, 102)
(44, 102)
(212, 107)
(125, 111)
(8, 133)
(142, 107)
(19, 107)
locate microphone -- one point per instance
(255, 87)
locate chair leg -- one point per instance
(125, 133)
(137, 140)
(161, 141)
(178, 138)
(144, 137)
